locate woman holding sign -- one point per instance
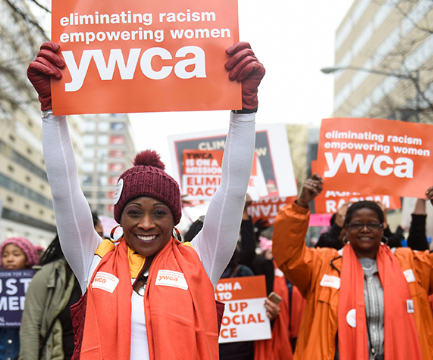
(363, 301)
(149, 297)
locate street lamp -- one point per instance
(414, 79)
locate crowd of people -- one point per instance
(150, 294)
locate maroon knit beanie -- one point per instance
(147, 178)
(25, 245)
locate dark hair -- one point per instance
(193, 230)
(364, 205)
(54, 252)
(95, 218)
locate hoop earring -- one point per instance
(345, 240)
(113, 230)
(385, 240)
(176, 234)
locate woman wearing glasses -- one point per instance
(364, 301)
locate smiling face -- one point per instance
(365, 240)
(147, 225)
(13, 258)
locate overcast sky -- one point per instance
(294, 40)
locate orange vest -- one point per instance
(180, 312)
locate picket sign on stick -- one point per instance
(328, 202)
(13, 289)
(272, 174)
(245, 313)
(267, 209)
(137, 56)
(376, 156)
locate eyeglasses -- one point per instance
(358, 226)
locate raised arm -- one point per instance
(292, 256)
(217, 240)
(73, 217)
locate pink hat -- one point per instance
(265, 244)
(25, 245)
(147, 178)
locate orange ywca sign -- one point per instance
(376, 156)
(136, 55)
(245, 313)
(328, 202)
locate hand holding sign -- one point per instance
(312, 188)
(42, 68)
(244, 67)
(429, 194)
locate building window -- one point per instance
(90, 126)
(103, 139)
(103, 126)
(89, 153)
(102, 180)
(88, 139)
(117, 126)
(88, 167)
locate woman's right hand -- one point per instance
(429, 194)
(312, 188)
(40, 70)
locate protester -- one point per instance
(417, 239)
(161, 320)
(46, 326)
(97, 224)
(17, 253)
(333, 238)
(359, 303)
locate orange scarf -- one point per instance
(401, 338)
(278, 347)
(181, 323)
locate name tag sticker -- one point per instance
(278, 273)
(410, 277)
(330, 281)
(105, 281)
(410, 309)
(171, 278)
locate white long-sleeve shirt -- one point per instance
(215, 244)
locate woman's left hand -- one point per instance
(244, 67)
(272, 309)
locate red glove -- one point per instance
(40, 71)
(244, 67)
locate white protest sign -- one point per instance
(272, 174)
(245, 314)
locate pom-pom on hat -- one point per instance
(147, 178)
(25, 245)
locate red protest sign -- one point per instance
(267, 209)
(376, 156)
(135, 56)
(245, 314)
(328, 202)
(201, 173)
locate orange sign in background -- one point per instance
(267, 209)
(376, 156)
(328, 202)
(136, 55)
(202, 170)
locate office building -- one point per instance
(383, 53)
(109, 151)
